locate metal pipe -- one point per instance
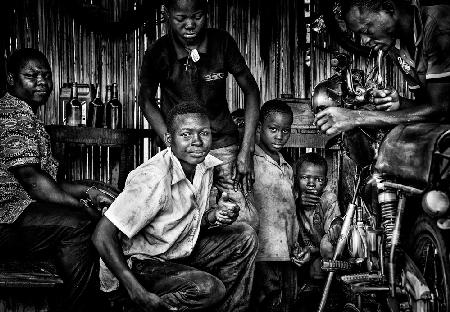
(401, 187)
(342, 241)
(395, 242)
(379, 78)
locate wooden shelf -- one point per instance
(97, 136)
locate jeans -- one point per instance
(217, 276)
(61, 233)
(248, 213)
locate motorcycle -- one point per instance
(391, 255)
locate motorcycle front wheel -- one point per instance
(429, 251)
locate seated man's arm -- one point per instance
(105, 239)
(40, 186)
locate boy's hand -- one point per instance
(227, 210)
(335, 230)
(301, 256)
(244, 173)
(309, 200)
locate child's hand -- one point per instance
(335, 230)
(309, 200)
(301, 256)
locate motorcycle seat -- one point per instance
(410, 153)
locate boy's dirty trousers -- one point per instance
(217, 276)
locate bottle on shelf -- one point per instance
(108, 97)
(96, 110)
(114, 110)
(73, 108)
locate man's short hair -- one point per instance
(274, 106)
(312, 158)
(371, 5)
(183, 108)
(20, 57)
(169, 4)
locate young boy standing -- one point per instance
(173, 253)
(274, 199)
(316, 210)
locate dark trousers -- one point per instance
(217, 276)
(61, 233)
(275, 287)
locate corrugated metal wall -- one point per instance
(77, 54)
(272, 36)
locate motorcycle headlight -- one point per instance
(435, 203)
(326, 94)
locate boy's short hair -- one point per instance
(274, 106)
(312, 158)
(183, 108)
(238, 113)
(20, 57)
(169, 4)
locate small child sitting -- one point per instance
(316, 210)
(274, 286)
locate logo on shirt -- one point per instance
(214, 76)
(404, 65)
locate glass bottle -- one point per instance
(73, 108)
(114, 110)
(108, 97)
(96, 111)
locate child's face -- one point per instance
(312, 178)
(275, 132)
(191, 139)
(187, 19)
(240, 123)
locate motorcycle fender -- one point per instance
(413, 281)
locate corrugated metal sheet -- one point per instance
(271, 35)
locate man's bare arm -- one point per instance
(334, 120)
(249, 87)
(151, 111)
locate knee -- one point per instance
(201, 290)
(212, 289)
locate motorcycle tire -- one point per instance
(427, 243)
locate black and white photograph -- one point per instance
(225, 155)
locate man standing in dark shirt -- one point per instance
(191, 63)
